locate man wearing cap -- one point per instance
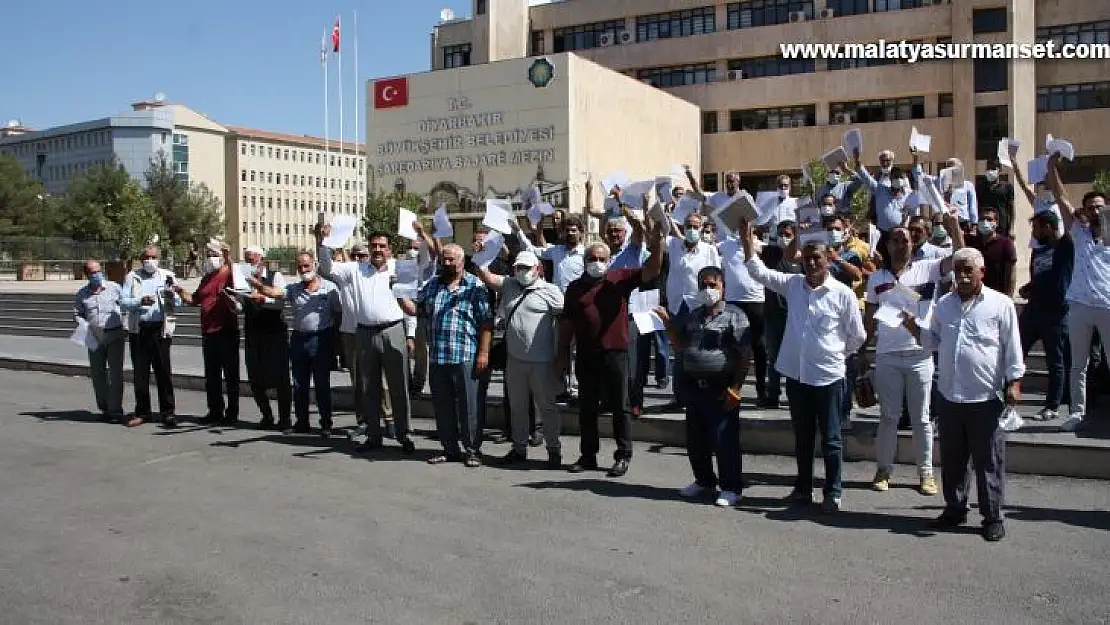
(529, 311)
(219, 327)
(267, 342)
(150, 322)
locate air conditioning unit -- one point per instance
(625, 37)
(797, 16)
(831, 13)
(843, 118)
(735, 74)
(606, 39)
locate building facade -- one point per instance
(763, 115)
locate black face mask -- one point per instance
(448, 272)
(1044, 240)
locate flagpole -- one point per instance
(327, 124)
(342, 168)
(358, 111)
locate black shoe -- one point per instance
(371, 444)
(662, 384)
(768, 404)
(993, 531)
(208, 419)
(620, 467)
(554, 460)
(511, 458)
(230, 422)
(949, 520)
(799, 498)
(904, 423)
(325, 432)
(390, 430)
(583, 464)
(283, 425)
(536, 439)
(408, 447)
(267, 423)
(299, 428)
(169, 421)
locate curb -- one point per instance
(758, 436)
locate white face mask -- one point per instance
(709, 297)
(707, 237)
(526, 277)
(308, 276)
(784, 242)
(886, 170)
(413, 254)
(597, 268)
(214, 263)
(692, 235)
(991, 175)
(150, 265)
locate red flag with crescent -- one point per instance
(391, 92)
(335, 37)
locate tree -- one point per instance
(818, 172)
(285, 254)
(1102, 182)
(190, 213)
(107, 204)
(381, 215)
(25, 207)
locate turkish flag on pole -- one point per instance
(391, 92)
(335, 37)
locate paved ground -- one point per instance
(108, 525)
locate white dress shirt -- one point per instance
(1090, 281)
(978, 346)
(739, 285)
(684, 265)
(368, 288)
(921, 277)
(823, 325)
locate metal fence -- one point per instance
(57, 256)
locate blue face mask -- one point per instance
(692, 235)
(986, 227)
(836, 237)
(96, 280)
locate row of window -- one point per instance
(297, 229)
(678, 76)
(1093, 95)
(78, 141)
(304, 156)
(456, 56)
(1086, 32)
(268, 203)
(270, 177)
(53, 173)
(864, 112)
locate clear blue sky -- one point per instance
(252, 63)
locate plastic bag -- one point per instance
(1010, 420)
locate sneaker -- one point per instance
(620, 467)
(693, 490)
(727, 499)
(993, 531)
(928, 485)
(830, 505)
(536, 439)
(1072, 423)
(357, 431)
(1046, 414)
(881, 482)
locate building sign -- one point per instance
(540, 73)
(391, 92)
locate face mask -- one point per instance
(692, 235)
(836, 237)
(596, 269)
(896, 187)
(784, 242)
(413, 254)
(939, 233)
(986, 227)
(783, 194)
(364, 264)
(709, 297)
(526, 277)
(951, 277)
(1046, 196)
(150, 265)
(96, 280)
(833, 180)
(828, 209)
(886, 170)
(214, 262)
(707, 237)
(991, 175)
(448, 272)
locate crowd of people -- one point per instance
(805, 301)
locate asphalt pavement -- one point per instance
(102, 524)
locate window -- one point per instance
(331, 160)
(254, 227)
(480, 7)
(244, 227)
(269, 202)
(765, 66)
(849, 7)
(697, 21)
(584, 36)
(766, 12)
(456, 56)
(1084, 169)
(991, 75)
(242, 148)
(286, 154)
(773, 118)
(945, 105)
(270, 177)
(1087, 32)
(243, 175)
(252, 149)
(1094, 95)
(708, 122)
(286, 178)
(536, 43)
(895, 5)
(252, 175)
(254, 201)
(270, 152)
(988, 21)
(992, 123)
(678, 76)
(710, 182)
(871, 111)
(179, 139)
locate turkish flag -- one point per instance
(391, 92)
(335, 37)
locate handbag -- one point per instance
(865, 391)
(498, 352)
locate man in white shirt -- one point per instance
(823, 327)
(150, 306)
(746, 294)
(903, 370)
(566, 258)
(380, 343)
(974, 331)
(1089, 292)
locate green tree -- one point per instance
(1102, 182)
(191, 213)
(107, 204)
(25, 207)
(818, 172)
(381, 215)
(285, 254)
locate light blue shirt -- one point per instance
(631, 256)
(101, 309)
(312, 310)
(842, 191)
(963, 198)
(890, 209)
(136, 284)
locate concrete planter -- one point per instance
(31, 271)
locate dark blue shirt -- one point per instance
(838, 272)
(1051, 271)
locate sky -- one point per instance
(253, 63)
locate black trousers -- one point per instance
(221, 373)
(608, 370)
(754, 312)
(151, 350)
(267, 356)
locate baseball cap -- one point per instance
(359, 249)
(526, 259)
(1046, 216)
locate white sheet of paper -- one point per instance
(658, 214)
(239, 277)
(406, 272)
(648, 322)
(1038, 170)
(499, 216)
(918, 141)
(664, 188)
(490, 250)
(930, 194)
(1004, 149)
(834, 158)
(405, 217)
(853, 141)
(643, 301)
(405, 291)
(441, 224)
(809, 214)
(767, 203)
(1063, 147)
(741, 208)
(342, 228)
(82, 336)
(686, 205)
(615, 179)
(633, 193)
(718, 200)
(888, 315)
(873, 235)
(546, 208)
(535, 215)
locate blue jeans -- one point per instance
(712, 429)
(310, 357)
(813, 409)
(1053, 334)
(455, 399)
(662, 356)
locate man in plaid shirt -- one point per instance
(460, 326)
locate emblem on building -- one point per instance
(540, 73)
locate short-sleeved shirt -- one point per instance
(1090, 284)
(598, 309)
(312, 310)
(455, 318)
(712, 346)
(921, 277)
(999, 255)
(1050, 276)
(842, 274)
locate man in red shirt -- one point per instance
(595, 318)
(219, 326)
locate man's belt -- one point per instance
(709, 382)
(380, 326)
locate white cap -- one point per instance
(255, 249)
(526, 259)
